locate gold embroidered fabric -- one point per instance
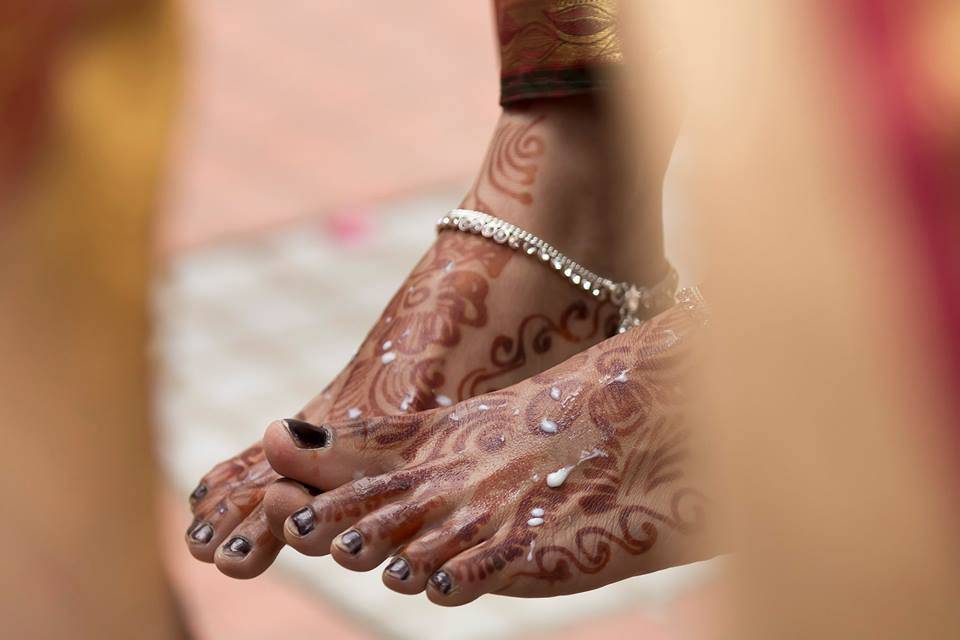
(551, 48)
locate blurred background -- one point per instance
(307, 174)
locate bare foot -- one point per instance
(565, 482)
(472, 317)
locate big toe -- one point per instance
(319, 455)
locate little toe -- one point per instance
(211, 527)
(373, 538)
(249, 549)
(418, 560)
(198, 494)
(324, 456)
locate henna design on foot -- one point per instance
(514, 508)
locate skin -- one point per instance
(471, 318)
(451, 493)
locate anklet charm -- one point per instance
(693, 301)
(632, 300)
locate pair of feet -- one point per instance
(487, 436)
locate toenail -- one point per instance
(237, 546)
(441, 581)
(351, 542)
(201, 532)
(398, 569)
(306, 435)
(199, 493)
(304, 520)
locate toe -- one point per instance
(479, 570)
(373, 538)
(329, 455)
(322, 456)
(208, 530)
(282, 498)
(249, 549)
(198, 494)
(411, 568)
(312, 528)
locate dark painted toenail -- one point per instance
(351, 542)
(306, 435)
(398, 569)
(441, 580)
(304, 520)
(237, 546)
(199, 493)
(201, 532)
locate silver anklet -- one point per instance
(631, 299)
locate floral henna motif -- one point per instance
(444, 293)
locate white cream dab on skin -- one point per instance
(548, 426)
(558, 477)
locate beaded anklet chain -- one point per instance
(633, 301)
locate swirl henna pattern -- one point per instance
(535, 335)
(569, 480)
(511, 166)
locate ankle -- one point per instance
(554, 168)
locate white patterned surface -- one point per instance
(249, 331)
